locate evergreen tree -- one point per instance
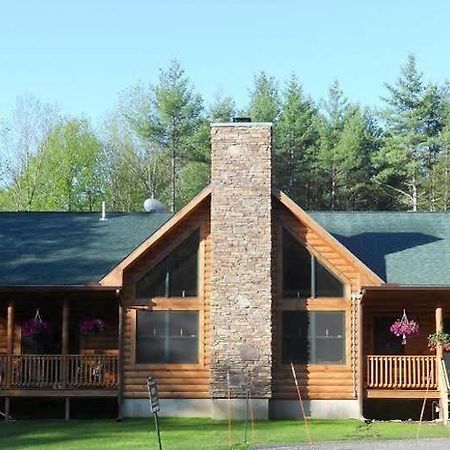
(175, 118)
(264, 99)
(413, 117)
(335, 108)
(296, 140)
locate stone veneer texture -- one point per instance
(241, 285)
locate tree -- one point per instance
(335, 108)
(264, 99)
(413, 118)
(173, 122)
(23, 136)
(223, 109)
(296, 140)
(71, 157)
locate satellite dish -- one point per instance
(151, 205)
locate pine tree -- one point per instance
(264, 99)
(174, 121)
(335, 107)
(413, 117)
(296, 139)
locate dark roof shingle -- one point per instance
(400, 247)
(68, 248)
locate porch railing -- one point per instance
(58, 371)
(401, 372)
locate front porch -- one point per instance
(65, 361)
(392, 370)
(58, 375)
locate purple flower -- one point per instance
(35, 327)
(405, 328)
(91, 326)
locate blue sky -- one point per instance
(82, 53)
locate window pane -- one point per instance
(184, 350)
(296, 268)
(183, 270)
(184, 323)
(151, 350)
(330, 351)
(167, 337)
(330, 324)
(175, 276)
(295, 345)
(154, 283)
(329, 337)
(327, 285)
(151, 323)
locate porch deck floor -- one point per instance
(402, 393)
(59, 393)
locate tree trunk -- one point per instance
(173, 180)
(414, 194)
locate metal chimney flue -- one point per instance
(103, 216)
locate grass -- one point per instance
(136, 434)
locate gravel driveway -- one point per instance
(404, 444)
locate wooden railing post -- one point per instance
(9, 342)
(65, 341)
(439, 370)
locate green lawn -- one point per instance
(193, 434)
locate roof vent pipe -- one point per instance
(103, 216)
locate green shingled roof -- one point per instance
(68, 248)
(79, 249)
(400, 247)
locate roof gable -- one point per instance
(321, 243)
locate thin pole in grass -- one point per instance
(252, 417)
(229, 408)
(423, 404)
(308, 431)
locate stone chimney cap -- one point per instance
(242, 124)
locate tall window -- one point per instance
(313, 337)
(303, 275)
(167, 337)
(175, 276)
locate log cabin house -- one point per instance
(216, 301)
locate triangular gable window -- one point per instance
(176, 275)
(303, 275)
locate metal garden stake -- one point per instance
(154, 405)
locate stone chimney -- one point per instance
(241, 284)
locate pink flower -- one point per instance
(91, 326)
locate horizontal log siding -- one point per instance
(316, 381)
(174, 381)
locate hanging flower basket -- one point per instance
(88, 326)
(439, 338)
(405, 328)
(36, 326)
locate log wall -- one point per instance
(317, 381)
(174, 380)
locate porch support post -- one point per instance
(440, 376)
(7, 409)
(9, 350)
(10, 329)
(67, 409)
(360, 355)
(120, 368)
(65, 327)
